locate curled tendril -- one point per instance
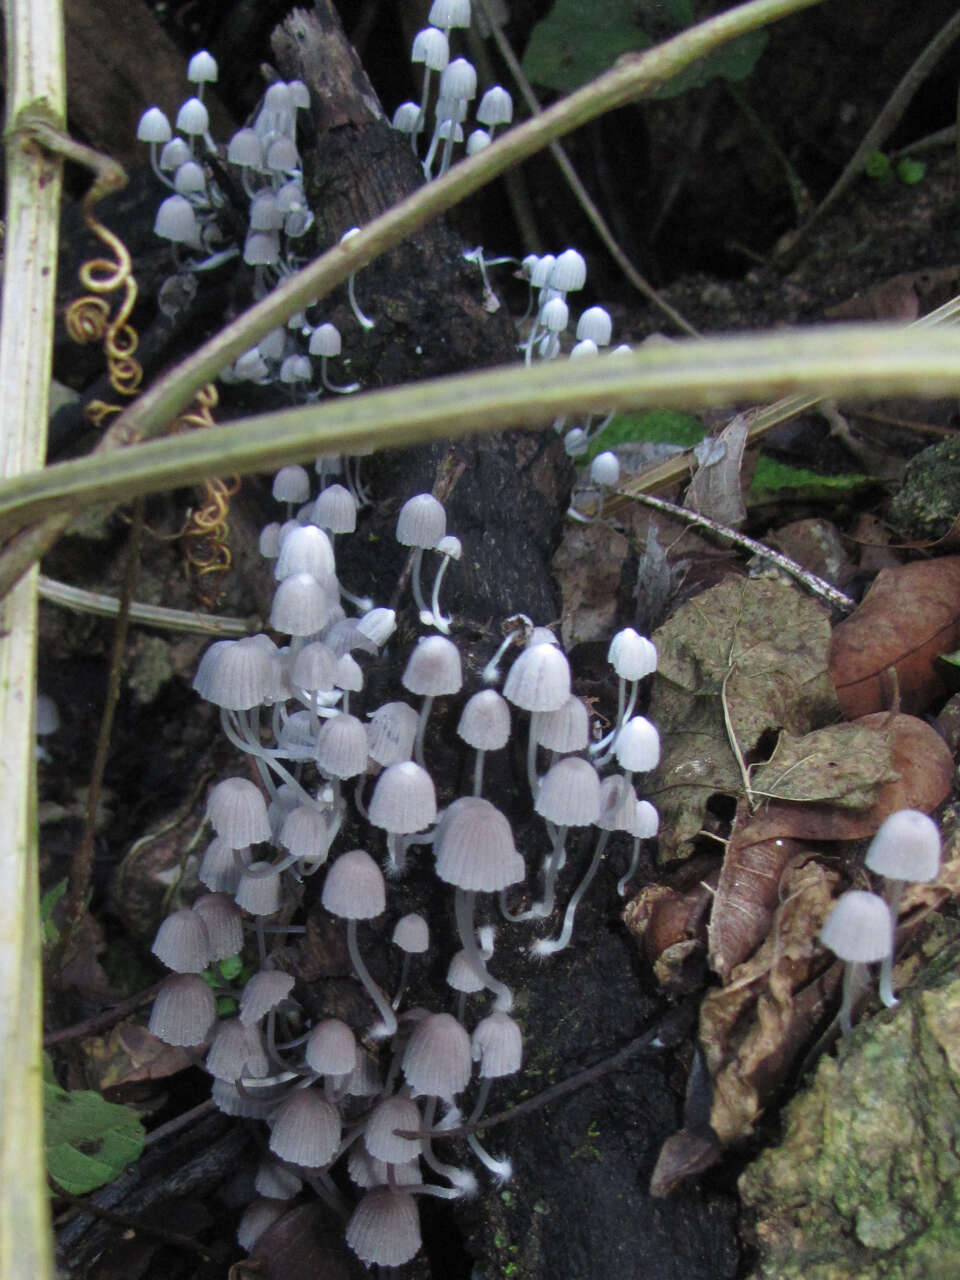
(205, 535)
(87, 320)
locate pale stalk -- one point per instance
(35, 83)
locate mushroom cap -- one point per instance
(182, 942)
(292, 483)
(342, 746)
(305, 833)
(306, 549)
(301, 605)
(411, 934)
(184, 1011)
(539, 679)
(305, 1129)
(391, 733)
(474, 847)
(336, 508)
(259, 889)
(437, 1059)
(404, 799)
(237, 1051)
(859, 928)
(263, 992)
(331, 1048)
(632, 655)
(384, 1229)
(569, 794)
(354, 888)
(567, 728)
(497, 1045)
(637, 746)
(224, 922)
(238, 813)
(433, 667)
(906, 847)
(379, 1138)
(422, 521)
(315, 667)
(485, 721)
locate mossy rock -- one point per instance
(928, 502)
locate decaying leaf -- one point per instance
(669, 924)
(304, 1243)
(753, 1029)
(129, 1053)
(748, 893)
(747, 657)
(845, 764)
(716, 490)
(909, 616)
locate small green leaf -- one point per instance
(231, 968)
(49, 932)
(771, 478)
(89, 1140)
(878, 167)
(910, 172)
(577, 42)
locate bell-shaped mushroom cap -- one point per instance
(539, 679)
(218, 866)
(202, 67)
(404, 799)
(365, 1171)
(154, 126)
(569, 794)
(437, 1060)
(295, 739)
(238, 813)
(184, 1011)
(631, 655)
(384, 1230)
(411, 934)
(301, 605)
(336, 509)
(379, 1137)
(497, 1045)
(422, 522)
(263, 992)
(182, 942)
(237, 674)
(349, 674)
(237, 1051)
(485, 721)
(859, 928)
(256, 1218)
(430, 47)
(344, 635)
(305, 1129)
(224, 923)
(291, 484)
(306, 549)
(354, 888)
(379, 624)
(568, 272)
(391, 733)
(259, 889)
(618, 805)
(646, 822)
(462, 976)
(276, 1181)
(567, 728)
(637, 746)
(342, 746)
(433, 667)
(331, 1048)
(474, 847)
(315, 667)
(306, 834)
(906, 847)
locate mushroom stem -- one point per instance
(478, 772)
(532, 777)
(631, 869)
(885, 991)
(422, 729)
(547, 946)
(462, 1179)
(415, 582)
(603, 749)
(464, 903)
(853, 975)
(388, 1026)
(436, 618)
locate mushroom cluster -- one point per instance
(380, 1094)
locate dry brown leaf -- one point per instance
(923, 766)
(129, 1053)
(303, 1244)
(753, 1030)
(716, 488)
(909, 616)
(669, 924)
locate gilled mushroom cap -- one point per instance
(379, 1137)
(567, 728)
(906, 847)
(384, 1230)
(859, 928)
(263, 992)
(391, 733)
(342, 746)
(237, 674)
(336, 509)
(256, 1218)
(497, 1045)
(237, 1051)
(305, 1129)
(632, 655)
(259, 889)
(276, 1181)
(224, 923)
(437, 1060)
(411, 934)
(315, 667)
(301, 605)
(539, 679)
(305, 833)
(569, 794)
(637, 746)
(433, 667)
(474, 847)
(462, 976)
(238, 813)
(354, 888)
(422, 522)
(331, 1048)
(182, 942)
(404, 799)
(184, 1011)
(485, 721)
(292, 483)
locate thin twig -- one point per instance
(104, 1020)
(81, 865)
(583, 197)
(885, 123)
(147, 615)
(818, 586)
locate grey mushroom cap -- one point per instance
(859, 928)
(906, 847)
